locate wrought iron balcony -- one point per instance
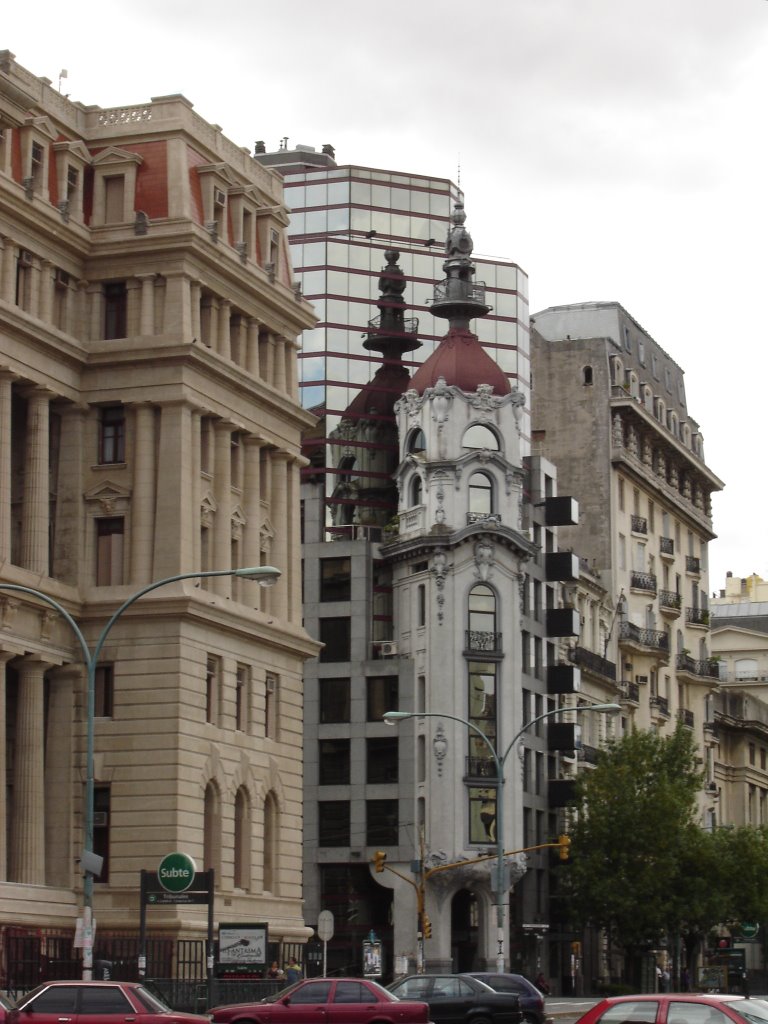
(639, 524)
(666, 546)
(653, 638)
(480, 768)
(480, 640)
(704, 667)
(697, 616)
(685, 716)
(643, 581)
(588, 754)
(594, 663)
(712, 729)
(693, 565)
(454, 288)
(631, 692)
(410, 326)
(661, 704)
(670, 601)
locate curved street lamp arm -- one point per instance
(59, 608)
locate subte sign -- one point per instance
(176, 872)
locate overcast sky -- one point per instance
(615, 149)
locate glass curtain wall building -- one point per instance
(343, 220)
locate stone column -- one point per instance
(252, 509)
(292, 369)
(69, 554)
(143, 502)
(223, 346)
(222, 527)
(5, 657)
(279, 364)
(8, 271)
(147, 304)
(239, 341)
(252, 349)
(63, 683)
(78, 321)
(6, 380)
(27, 853)
(95, 306)
(35, 515)
(45, 306)
(177, 317)
(294, 539)
(279, 517)
(194, 298)
(174, 514)
(268, 367)
(196, 492)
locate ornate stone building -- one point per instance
(149, 427)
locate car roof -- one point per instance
(699, 997)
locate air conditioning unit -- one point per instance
(387, 649)
(641, 679)
(61, 278)
(25, 258)
(99, 819)
(219, 197)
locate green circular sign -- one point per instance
(749, 929)
(176, 872)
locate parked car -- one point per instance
(327, 1001)
(5, 1006)
(677, 1008)
(531, 998)
(99, 1002)
(460, 999)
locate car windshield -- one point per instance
(282, 993)
(753, 1010)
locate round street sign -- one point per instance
(176, 872)
(749, 929)
(325, 925)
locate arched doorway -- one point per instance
(465, 914)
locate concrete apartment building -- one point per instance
(149, 426)
(611, 409)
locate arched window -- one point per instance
(586, 376)
(270, 843)
(417, 441)
(478, 436)
(480, 495)
(482, 609)
(212, 828)
(242, 850)
(417, 493)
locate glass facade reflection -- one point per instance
(343, 218)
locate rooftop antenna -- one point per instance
(458, 170)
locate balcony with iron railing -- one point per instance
(685, 716)
(645, 581)
(670, 602)
(410, 327)
(482, 640)
(639, 524)
(630, 692)
(704, 668)
(660, 705)
(654, 639)
(697, 616)
(588, 754)
(594, 663)
(666, 547)
(693, 565)
(454, 289)
(480, 768)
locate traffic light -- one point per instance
(564, 844)
(379, 859)
(427, 930)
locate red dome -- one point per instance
(461, 360)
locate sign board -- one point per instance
(243, 944)
(176, 872)
(325, 925)
(372, 958)
(749, 929)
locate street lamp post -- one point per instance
(499, 762)
(265, 574)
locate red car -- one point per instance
(327, 1001)
(95, 1002)
(677, 1008)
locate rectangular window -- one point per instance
(212, 689)
(335, 634)
(335, 579)
(333, 762)
(272, 706)
(101, 814)
(111, 435)
(382, 760)
(421, 604)
(115, 310)
(334, 700)
(381, 696)
(114, 199)
(482, 815)
(381, 823)
(333, 823)
(104, 691)
(242, 698)
(37, 162)
(109, 551)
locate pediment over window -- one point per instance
(113, 155)
(110, 496)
